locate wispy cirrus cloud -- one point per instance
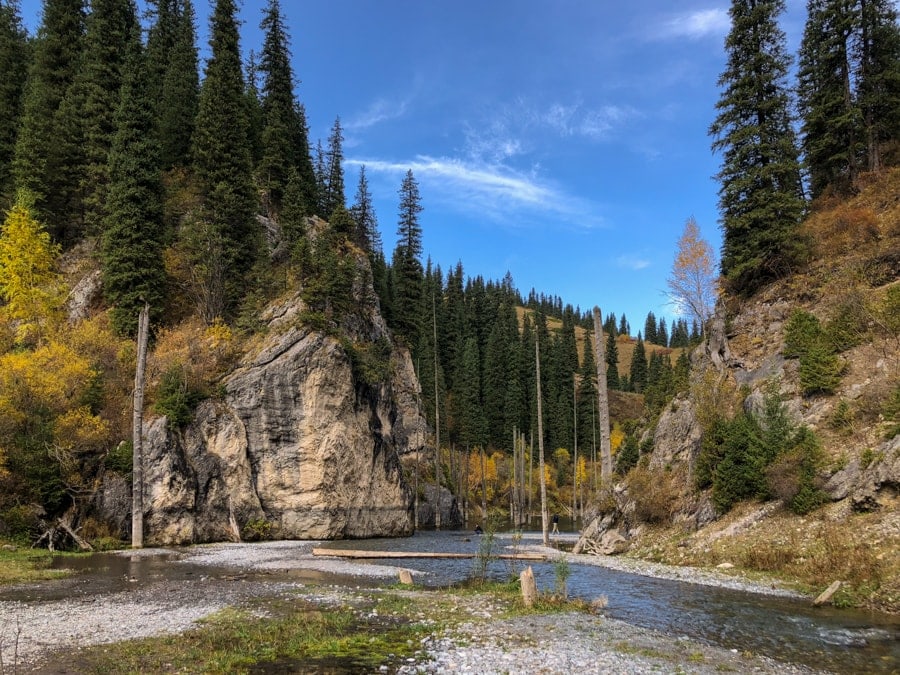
(380, 110)
(630, 261)
(694, 25)
(579, 120)
(494, 191)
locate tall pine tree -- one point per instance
(228, 237)
(406, 265)
(285, 138)
(179, 91)
(112, 33)
(38, 164)
(132, 244)
(832, 122)
(14, 60)
(878, 54)
(760, 198)
(333, 196)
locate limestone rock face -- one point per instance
(299, 447)
(872, 486)
(678, 435)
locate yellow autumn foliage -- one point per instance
(50, 380)
(79, 431)
(29, 283)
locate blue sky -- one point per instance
(563, 141)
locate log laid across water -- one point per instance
(340, 553)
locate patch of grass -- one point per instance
(295, 636)
(22, 565)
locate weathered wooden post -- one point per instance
(529, 587)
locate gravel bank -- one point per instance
(33, 630)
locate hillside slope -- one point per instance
(825, 342)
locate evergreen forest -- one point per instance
(198, 192)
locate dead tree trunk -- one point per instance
(137, 466)
(543, 478)
(603, 404)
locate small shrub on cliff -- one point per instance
(801, 332)
(370, 361)
(794, 476)
(174, 399)
(655, 494)
(804, 338)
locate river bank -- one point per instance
(161, 592)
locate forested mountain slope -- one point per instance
(784, 454)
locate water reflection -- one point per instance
(783, 628)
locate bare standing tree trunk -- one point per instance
(137, 466)
(437, 418)
(483, 488)
(575, 446)
(603, 404)
(543, 478)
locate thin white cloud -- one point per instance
(632, 262)
(695, 25)
(494, 191)
(380, 110)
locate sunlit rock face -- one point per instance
(298, 446)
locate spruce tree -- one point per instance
(650, 328)
(662, 333)
(222, 163)
(831, 119)
(366, 234)
(38, 164)
(407, 268)
(132, 244)
(760, 199)
(638, 374)
(624, 328)
(333, 197)
(878, 74)
(176, 110)
(14, 60)
(612, 361)
(285, 143)
(112, 33)
(587, 397)
(255, 120)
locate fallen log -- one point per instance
(340, 553)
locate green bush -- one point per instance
(804, 338)
(120, 458)
(370, 362)
(847, 328)
(760, 457)
(794, 476)
(174, 399)
(801, 331)
(820, 370)
(842, 418)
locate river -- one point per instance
(784, 628)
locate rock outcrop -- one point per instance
(299, 445)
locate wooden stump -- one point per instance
(406, 577)
(529, 587)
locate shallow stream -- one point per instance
(787, 629)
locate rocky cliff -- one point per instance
(850, 289)
(298, 444)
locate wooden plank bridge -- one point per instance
(348, 553)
